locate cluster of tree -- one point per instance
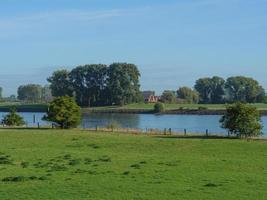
(34, 93)
(98, 84)
(182, 95)
(217, 90)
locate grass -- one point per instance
(54, 164)
(150, 106)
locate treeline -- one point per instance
(216, 90)
(34, 93)
(98, 84)
(118, 84)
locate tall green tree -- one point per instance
(65, 112)
(189, 95)
(242, 120)
(30, 93)
(123, 84)
(89, 83)
(60, 83)
(211, 90)
(244, 89)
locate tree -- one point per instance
(244, 89)
(159, 107)
(89, 83)
(65, 112)
(211, 90)
(168, 97)
(123, 85)
(1, 92)
(217, 85)
(242, 120)
(187, 94)
(13, 119)
(46, 94)
(30, 92)
(60, 83)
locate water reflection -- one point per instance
(92, 120)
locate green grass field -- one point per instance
(67, 165)
(150, 106)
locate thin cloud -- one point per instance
(25, 23)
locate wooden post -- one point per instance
(185, 132)
(170, 131)
(207, 132)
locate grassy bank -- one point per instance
(54, 164)
(171, 108)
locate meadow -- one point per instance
(76, 164)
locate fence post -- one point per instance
(170, 131)
(34, 119)
(165, 131)
(207, 132)
(185, 132)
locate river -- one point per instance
(192, 123)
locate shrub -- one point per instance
(202, 108)
(159, 107)
(65, 112)
(13, 119)
(242, 120)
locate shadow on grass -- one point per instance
(195, 137)
(213, 137)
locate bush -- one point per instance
(65, 112)
(159, 107)
(202, 108)
(243, 120)
(13, 119)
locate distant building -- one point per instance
(150, 97)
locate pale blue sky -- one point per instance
(173, 42)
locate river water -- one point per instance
(192, 123)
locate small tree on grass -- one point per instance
(243, 120)
(159, 107)
(13, 119)
(65, 112)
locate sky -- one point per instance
(173, 42)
